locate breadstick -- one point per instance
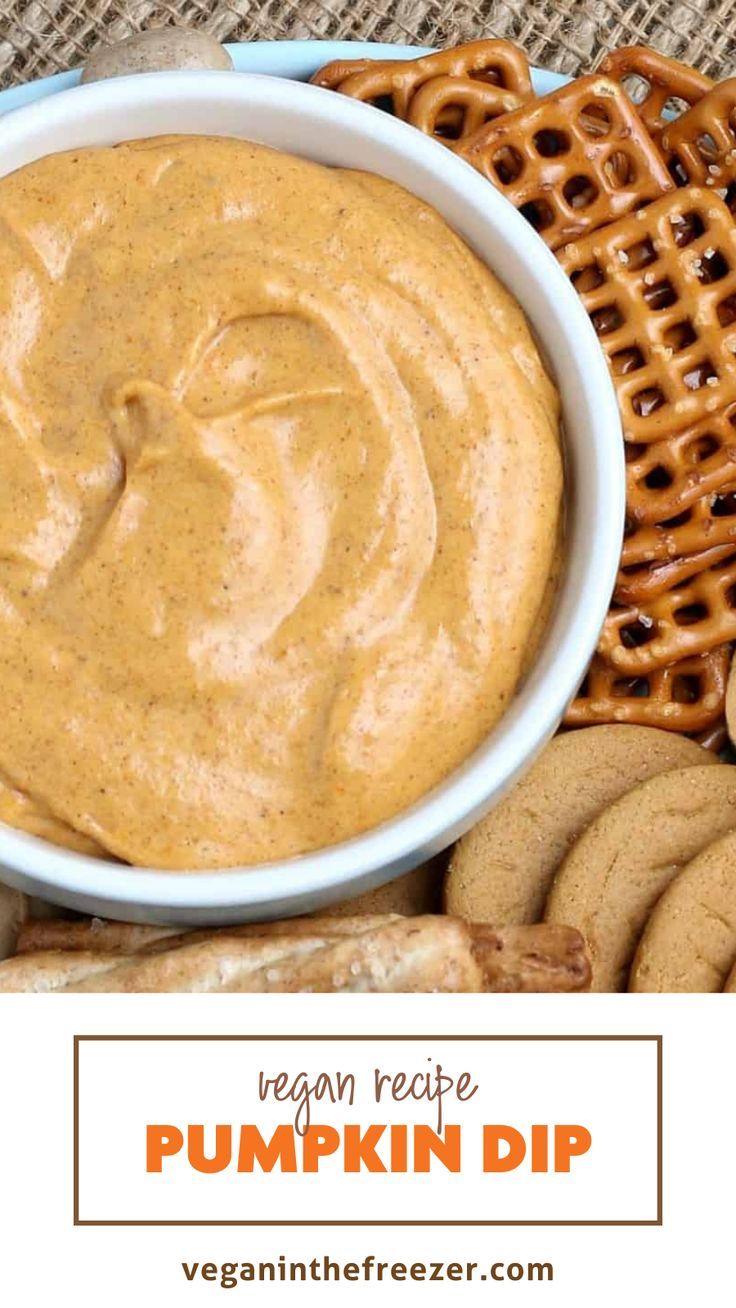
(92, 936)
(217, 965)
(365, 954)
(97, 935)
(533, 959)
(51, 970)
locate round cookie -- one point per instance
(13, 913)
(617, 870)
(501, 870)
(690, 939)
(415, 893)
(731, 702)
(152, 52)
(730, 986)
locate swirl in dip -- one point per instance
(280, 484)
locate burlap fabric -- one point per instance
(46, 36)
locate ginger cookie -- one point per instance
(417, 892)
(501, 870)
(731, 702)
(618, 869)
(689, 943)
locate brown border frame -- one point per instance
(654, 1221)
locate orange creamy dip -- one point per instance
(279, 488)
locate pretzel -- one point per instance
(393, 82)
(709, 522)
(660, 289)
(689, 619)
(572, 161)
(451, 109)
(688, 696)
(331, 75)
(667, 477)
(701, 145)
(369, 954)
(644, 581)
(714, 738)
(662, 80)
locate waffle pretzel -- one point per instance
(451, 109)
(701, 145)
(689, 619)
(369, 955)
(706, 524)
(667, 477)
(644, 581)
(661, 79)
(393, 82)
(660, 289)
(688, 696)
(572, 161)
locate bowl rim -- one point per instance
(373, 857)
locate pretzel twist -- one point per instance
(496, 62)
(662, 80)
(451, 109)
(331, 75)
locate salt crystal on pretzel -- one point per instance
(660, 289)
(690, 619)
(688, 696)
(572, 161)
(659, 81)
(666, 477)
(701, 145)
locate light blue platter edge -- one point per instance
(293, 59)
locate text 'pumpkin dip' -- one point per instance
(280, 483)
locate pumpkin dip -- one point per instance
(280, 484)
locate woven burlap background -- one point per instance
(45, 36)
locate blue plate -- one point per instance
(294, 59)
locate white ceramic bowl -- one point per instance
(336, 130)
